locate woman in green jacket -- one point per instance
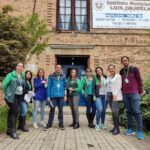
(88, 90)
(74, 88)
(13, 87)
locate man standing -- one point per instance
(132, 88)
(56, 93)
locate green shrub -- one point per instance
(3, 117)
(145, 109)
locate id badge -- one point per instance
(58, 85)
(20, 89)
(126, 80)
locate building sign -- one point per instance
(131, 14)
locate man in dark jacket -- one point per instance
(56, 93)
(132, 89)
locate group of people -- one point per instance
(98, 91)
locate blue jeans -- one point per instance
(132, 105)
(90, 109)
(100, 109)
(42, 106)
(60, 103)
(23, 108)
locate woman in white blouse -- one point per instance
(113, 95)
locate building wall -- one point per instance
(104, 46)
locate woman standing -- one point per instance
(100, 98)
(24, 104)
(40, 87)
(74, 87)
(88, 83)
(114, 94)
(13, 87)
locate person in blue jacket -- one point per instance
(56, 93)
(40, 98)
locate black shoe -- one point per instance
(116, 131)
(8, 132)
(48, 127)
(72, 124)
(91, 125)
(76, 126)
(24, 126)
(14, 135)
(61, 127)
(112, 130)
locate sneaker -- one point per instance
(130, 132)
(102, 126)
(61, 127)
(35, 126)
(97, 127)
(43, 124)
(140, 135)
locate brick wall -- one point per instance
(104, 46)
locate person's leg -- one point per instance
(88, 109)
(70, 99)
(35, 109)
(22, 117)
(104, 110)
(137, 114)
(14, 110)
(109, 101)
(93, 111)
(76, 110)
(129, 112)
(42, 108)
(9, 119)
(98, 104)
(115, 111)
(60, 103)
(51, 113)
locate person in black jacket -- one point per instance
(24, 104)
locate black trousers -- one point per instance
(13, 112)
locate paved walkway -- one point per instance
(83, 138)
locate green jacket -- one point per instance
(9, 86)
(76, 85)
(84, 86)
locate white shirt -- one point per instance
(102, 90)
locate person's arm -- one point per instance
(37, 84)
(49, 88)
(5, 83)
(139, 80)
(83, 81)
(116, 87)
(78, 89)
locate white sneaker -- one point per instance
(103, 126)
(43, 124)
(35, 125)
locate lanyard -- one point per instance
(126, 73)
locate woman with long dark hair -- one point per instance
(40, 98)
(100, 98)
(13, 87)
(74, 88)
(24, 104)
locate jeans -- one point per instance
(100, 109)
(23, 108)
(73, 102)
(114, 105)
(42, 106)
(90, 108)
(56, 102)
(132, 105)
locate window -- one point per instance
(73, 15)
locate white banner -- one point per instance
(130, 14)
